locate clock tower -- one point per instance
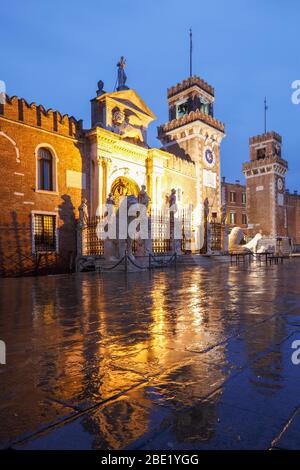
(265, 186)
(193, 134)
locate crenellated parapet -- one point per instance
(188, 118)
(257, 139)
(18, 109)
(189, 83)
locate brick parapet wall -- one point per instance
(19, 110)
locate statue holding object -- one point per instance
(143, 197)
(83, 212)
(122, 77)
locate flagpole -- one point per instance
(266, 107)
(191, 52)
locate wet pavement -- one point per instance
(177, 359)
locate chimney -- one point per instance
(223, 179)
(295, 193)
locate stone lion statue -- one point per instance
(236, 236)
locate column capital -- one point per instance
(103, 159)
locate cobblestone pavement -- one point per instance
(174, 359)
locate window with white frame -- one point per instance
(45, 169)
(44, 233)
(232, 218)
(232, 196)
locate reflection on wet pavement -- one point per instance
(193, 359)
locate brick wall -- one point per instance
(292, 203)
(23, 128)
(232, 196)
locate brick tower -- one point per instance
(193, 134)
(265, 186)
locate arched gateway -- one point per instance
(123, 186)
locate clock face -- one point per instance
(280, 184)
(209, 157)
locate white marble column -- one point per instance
(98, 184)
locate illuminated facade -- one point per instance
(121, 160)
(51, 163)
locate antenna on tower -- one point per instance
(265, 111)
(191, 52)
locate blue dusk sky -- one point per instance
(54, 52)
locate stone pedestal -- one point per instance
(225, 241)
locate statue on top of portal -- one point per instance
(122, 77)
(143, 197)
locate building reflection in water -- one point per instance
(162, 339)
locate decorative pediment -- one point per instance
(130, 99)
(125, 113)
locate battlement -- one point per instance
(18, 109)
(186, 119)
(258, 139)
(188, 83)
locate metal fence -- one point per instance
(93, 244)
(160, 231)
(216, 236)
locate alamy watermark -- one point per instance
(296, 353)
(2, 352)
(296, 94)
(132, 220)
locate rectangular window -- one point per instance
(244, 219)
(244, 198)
(232, 196)
(232, 218)
(44, 232)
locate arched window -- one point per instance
(45, 170)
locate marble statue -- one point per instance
(253, 244)
(121, 125)
(173, 200)
(236, 236)
(118, 117)
(110, 203)
(83, 212)
(143, 197)
(121, 73)
(128, 130)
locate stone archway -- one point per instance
(123, 186)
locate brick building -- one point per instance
(264, 204)
(44, 176)
(234, 196)
(49, 164)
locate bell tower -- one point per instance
(192, 133)
(265, 186)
